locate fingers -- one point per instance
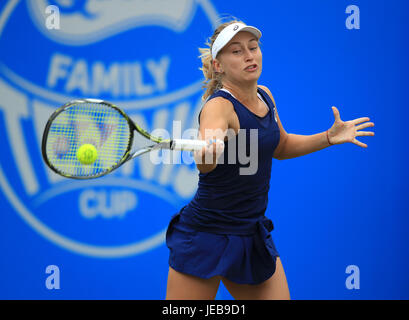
(365, 133)
(210, 152)
(360, 120)
(360, 144)
(336, 113)
(365, 125)
(215, 146)
(362, 133)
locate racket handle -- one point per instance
(188, 144)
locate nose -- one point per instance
(248, 55)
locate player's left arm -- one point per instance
(294, 145)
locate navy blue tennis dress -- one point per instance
(223, 229)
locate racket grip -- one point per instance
(188, 144)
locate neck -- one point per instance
(243, 93)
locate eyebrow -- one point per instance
(253, 39)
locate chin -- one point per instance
(252, 78)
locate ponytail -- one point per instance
(213, 79)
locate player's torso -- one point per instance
(259, 109)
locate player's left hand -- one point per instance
(347, 131)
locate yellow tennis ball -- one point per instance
(87, 154)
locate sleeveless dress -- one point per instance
(223, 230)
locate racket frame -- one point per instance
(171, 144)
(68, 105)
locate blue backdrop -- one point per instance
(343, 206)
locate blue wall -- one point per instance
(342, 206)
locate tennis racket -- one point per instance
(89, 138)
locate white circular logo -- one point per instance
(130, 52)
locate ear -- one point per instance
(217, 66)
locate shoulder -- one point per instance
(268, 92)
(265, 89)
(217, 106)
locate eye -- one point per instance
(253, 49)
(236, 51)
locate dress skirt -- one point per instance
(243, 259)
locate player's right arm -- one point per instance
(214, 122)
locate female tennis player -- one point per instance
(222, 234)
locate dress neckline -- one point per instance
(258, 95)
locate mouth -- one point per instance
(252, 67)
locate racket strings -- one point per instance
(87, 123)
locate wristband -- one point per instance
(331, 144)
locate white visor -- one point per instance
(228, 33)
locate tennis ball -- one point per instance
(87, 154)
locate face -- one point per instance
(241, 59)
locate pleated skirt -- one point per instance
(243, 259)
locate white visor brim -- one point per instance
(228, 33)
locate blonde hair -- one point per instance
(213, 79)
